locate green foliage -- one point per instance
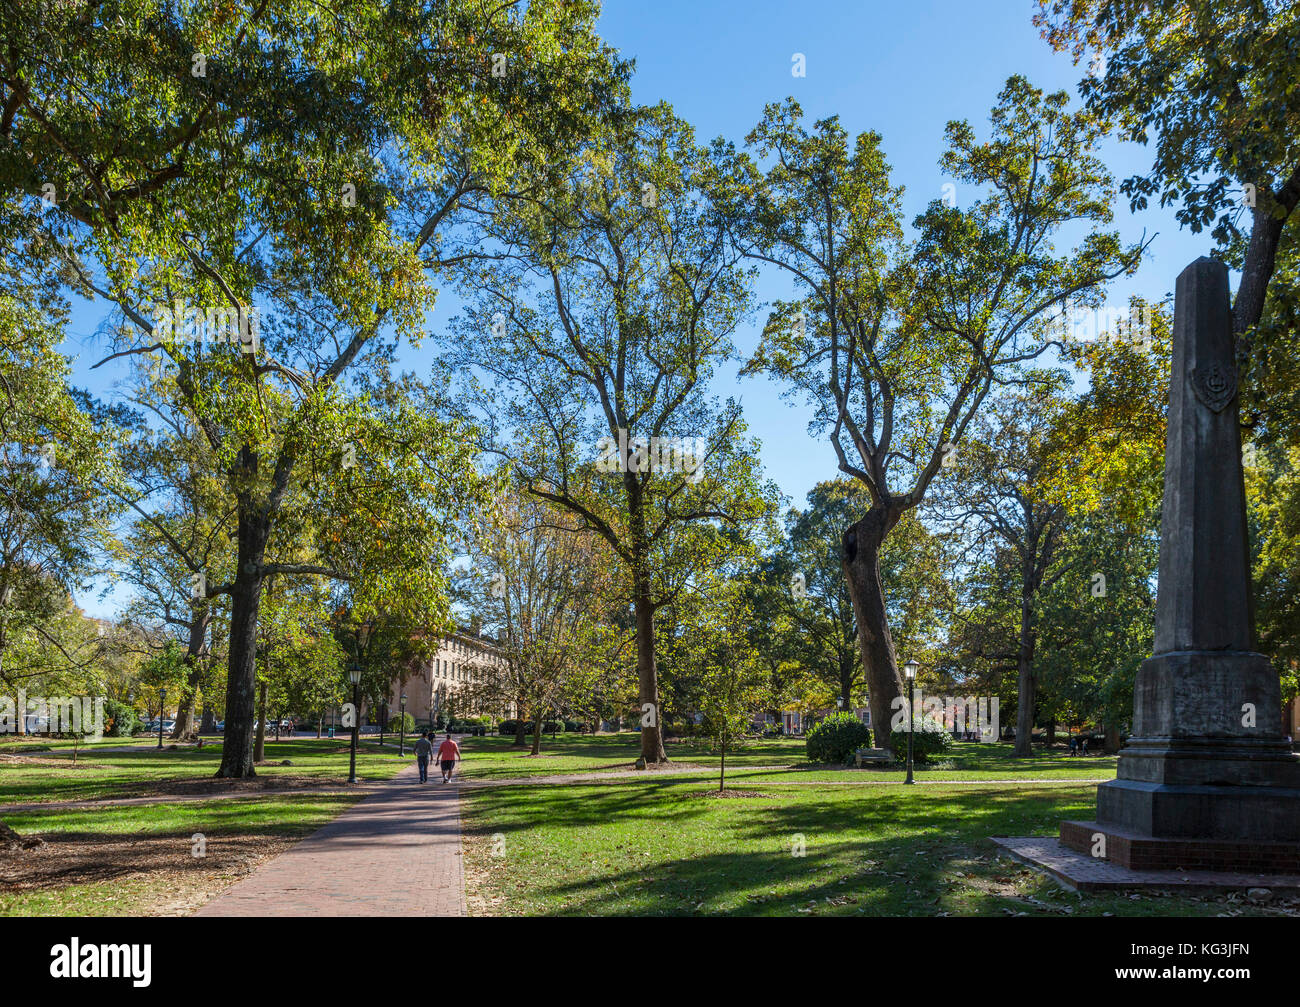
(928, 739)
(398, 722)
(55, 522)
(120, 720)
(166, 669)
(837, 737)
(608, 325)
(1273, 497)
(1220, 121)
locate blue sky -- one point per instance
(901, 69)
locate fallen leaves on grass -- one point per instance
(66, 859)
(736, 793)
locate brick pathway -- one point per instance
(396, 853)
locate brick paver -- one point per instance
(398, 852)
(1083, 873)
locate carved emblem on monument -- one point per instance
(1215, 385)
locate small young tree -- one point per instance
(733, 680)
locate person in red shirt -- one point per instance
(449, 753)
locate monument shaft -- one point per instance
(1208, 776)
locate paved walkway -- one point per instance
(396, 853)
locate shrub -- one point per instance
(120, 720)
(836, 737)
(929, 738)
(401, 722)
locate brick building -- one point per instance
(445, 682)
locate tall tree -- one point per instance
(232, 200)
(597, 335)
(897, 344)
(180, 535)
(1001, 485)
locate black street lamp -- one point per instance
(162, 706)
(909, 670)
(401, 737)
(354, 674)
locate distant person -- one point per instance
(1074, 745)
(449, 753)
(1083, 745)
(423, 752)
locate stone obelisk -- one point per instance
(1208, 779)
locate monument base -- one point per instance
(1138, 852)
(1208, 764)
(1214, 813)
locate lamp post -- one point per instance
(401, 737)
(354, 675)
(162, 706)
(909, 670)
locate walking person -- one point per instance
(449, 753)
(423, 752)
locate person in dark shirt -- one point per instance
(423, 751)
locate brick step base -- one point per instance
(1144, 853)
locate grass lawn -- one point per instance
(669, 847)
(140, 859)
(772, 760)
(98, 773)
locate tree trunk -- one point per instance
(185, 729)
(209, 722)
(537, 735)
(652, 742)
(846, 683)
(1025, 670)
(246, 601)
(259, 749)
(1051, 733)
(722, 770)
(1261, 255)
(1110, 745)
(861, 558)
(519, 724)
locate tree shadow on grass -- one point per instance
(887, 852)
